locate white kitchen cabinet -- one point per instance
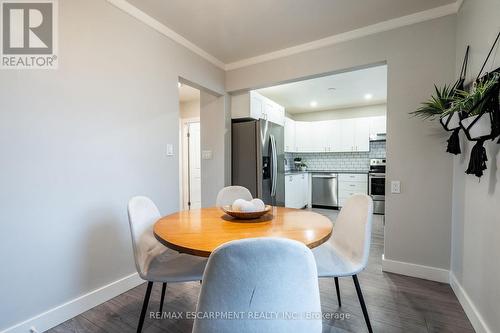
(345, 135)
(362, 134)
(290, 136)
(350, 184)
(354, 135)
(303, 142)
(332, 136)
(313, 137)
(273, 112)
(319, 135)
(296, 190)
(304, 193)
(254, 105)
(378, 125)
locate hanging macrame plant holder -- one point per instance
(484, 121)
(451, 121)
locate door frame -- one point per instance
(183, 160)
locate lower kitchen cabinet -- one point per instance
(297, 190)
(350, 184)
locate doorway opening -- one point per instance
(190, 147)
(334, 139)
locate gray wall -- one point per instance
(76, 143)
(190, 109)
(214, 133)
(476, 218)
(418, 220)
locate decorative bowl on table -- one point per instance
(245, 215)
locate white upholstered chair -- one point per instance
(260, 275)
(154, 262)
(346, 252)
(229, 194)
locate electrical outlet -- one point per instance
(206, 155)
(395, 186)
(170, 149)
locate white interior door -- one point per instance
(194, 165)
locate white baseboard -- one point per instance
(68, 310)
(414, 270)
(472, 313)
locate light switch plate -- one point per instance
(206, 155)
(170, 149)
(395, 186)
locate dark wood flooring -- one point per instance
(395, 303)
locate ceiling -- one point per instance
(336, 91)
(233, 30)
(188, 94)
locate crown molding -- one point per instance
(164, 30)
(391, 24)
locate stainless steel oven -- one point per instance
(376, 184)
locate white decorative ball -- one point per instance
(259, 205)
(247, 206)
(237, 204)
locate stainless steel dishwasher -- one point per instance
(324, 189)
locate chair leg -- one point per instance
(338, 290)
(163, 290)
(144, 306)
(362, 302)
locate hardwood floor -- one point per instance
(395, 303)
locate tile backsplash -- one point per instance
(352, 161)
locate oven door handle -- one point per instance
(376, 175)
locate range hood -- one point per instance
(377, 137)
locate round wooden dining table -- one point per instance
(200, 231)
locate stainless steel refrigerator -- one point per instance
(258, 159)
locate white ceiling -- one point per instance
(233, 30)
(188, 94)
(349, 90)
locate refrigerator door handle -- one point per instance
(274, 165)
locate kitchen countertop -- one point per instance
(294, 172)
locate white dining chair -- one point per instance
(260, 276)
(153, 261)
(346, 252)
(229, 194)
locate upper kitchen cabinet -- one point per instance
(311, 137)
(345, 135)
(303, 142)
(254, 105)
(354, 135)
(362, 134)
(290, 145)
(377, 126)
